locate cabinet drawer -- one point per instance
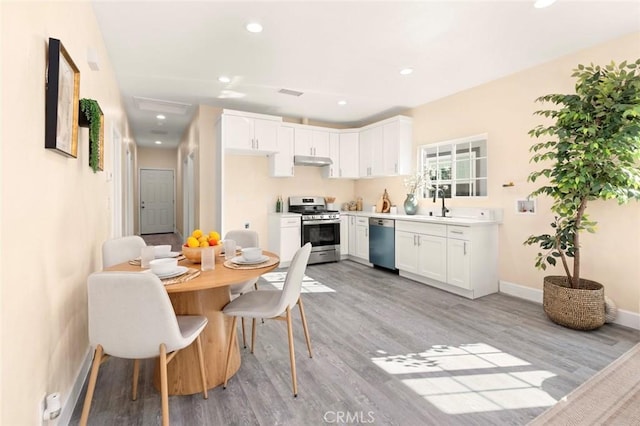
(459, 232)
(422, 228)
(289, 222)
(362, 221)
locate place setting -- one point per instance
(149, 253)
(169, 272)
(250, 258)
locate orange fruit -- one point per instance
(193, 242)
(197, 233)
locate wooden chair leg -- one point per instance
(164, 387)
(232, 335)
(134, 383)
(202, 373)
(292, 355)
(253, 334)
(97, 360)
(244, 339)
(304, 326)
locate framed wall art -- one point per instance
(62, 95)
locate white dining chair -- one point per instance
(273, 304)
(131, 316)
(118, 250)
(243, 238)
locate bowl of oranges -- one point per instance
(197, 241)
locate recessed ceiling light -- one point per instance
(254, 27)
(158, 142)
(224, 79)
(539, 4)
(342, 102)
(406, 71)
(160, 117)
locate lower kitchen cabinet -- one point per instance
(442, 256)
(362, 238)
(344, 235)
(285, 235)
(357, 239)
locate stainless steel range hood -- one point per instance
(307, 160)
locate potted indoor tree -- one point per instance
(591, 151)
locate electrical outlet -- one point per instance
(247, 225)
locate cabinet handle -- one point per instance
(396, 168)
(464, 248)
(257, 143)
(418, 240)
(366, 232)
(456, 232)
(414, 240)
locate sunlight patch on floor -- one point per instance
(442, 383)
(309, 285)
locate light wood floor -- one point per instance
(371, 365)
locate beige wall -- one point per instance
(504, 109)
(250, 194)
(55, 210)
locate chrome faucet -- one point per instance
(440, 192)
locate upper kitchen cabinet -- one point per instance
(281, 163)
(385, 148)
(371, 146)
(312, 142)
(396, 141)
(249, 133)
(349, 147)
(332, 171)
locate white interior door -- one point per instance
(156, 201)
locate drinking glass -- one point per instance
(147, 254)
(208, 259)
(229, 249)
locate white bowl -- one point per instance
(163, 266)
(252, 253)
(162, 250)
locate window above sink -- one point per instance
(459, 167)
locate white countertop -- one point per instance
(464, 221)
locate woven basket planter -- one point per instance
(577, 308)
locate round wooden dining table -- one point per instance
(204, 295)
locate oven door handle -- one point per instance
(320, 222)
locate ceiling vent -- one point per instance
(158, 105)
(290, 92)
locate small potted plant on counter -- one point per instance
(591, 151)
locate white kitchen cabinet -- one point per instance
(397, 145)
(459, 256)
(385, 148)
(349, 148)
(247, 133)
(352, 235)
(362, 238)
(371, 155)
(344, 235)
(441, 256)
(284, 235)
(421, 248)
(281, 162)
(332, 171)
(311, 142)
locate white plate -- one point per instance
(171, 254)
(242, 261)
(178, 271)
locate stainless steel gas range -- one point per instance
(320, 227)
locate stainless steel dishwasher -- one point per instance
(382, 242)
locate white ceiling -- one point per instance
(174, 51)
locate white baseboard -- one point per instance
(76, 389)
(625, 318)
